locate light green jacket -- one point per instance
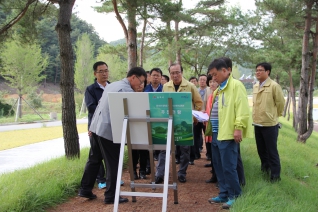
(233, 111)
(268, 103)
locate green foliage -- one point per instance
(34, 99)
(5, 109)
(22, 65)
(84, 62)
(116, 66)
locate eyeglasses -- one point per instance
(175, 73)
(102, 71)
(141, 82)
(155, 75)
(259, 70)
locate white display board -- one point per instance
(138, 103)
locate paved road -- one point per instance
(29, 155)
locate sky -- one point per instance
(109, 29)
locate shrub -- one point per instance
(5, 110)
(34, 99)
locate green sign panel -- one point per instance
(182, 117)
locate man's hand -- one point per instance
(237, 136)
(89, 133)
(195, 121)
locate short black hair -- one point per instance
(228, 61)
(191, 78)
(99, 63)
(209, 77)
(266, 66)
(167, 78)
(202, 75)
(137, 71)
(218, 64)
(174, 64)
(157, 70)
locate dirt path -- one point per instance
(192, 195)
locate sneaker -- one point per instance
(228, 204)
(101, 185)
(217, 200)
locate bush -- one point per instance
(34, 99)
(5, 110)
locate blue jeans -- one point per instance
(224, 157)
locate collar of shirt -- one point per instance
(222, 85)
(262, 84)
(101, 86)
(154, 89)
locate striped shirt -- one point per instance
(214, 117)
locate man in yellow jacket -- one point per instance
(230, 120)
(179, 84)
(268, 105)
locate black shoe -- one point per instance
(148, 171)
(136, 175)
(208, 165)
(191, 163)
(155, 158)
(87, 194)
(182, 179)
(158, 180)
(142, 175)
(121, 200)
(212, 180)
(177, 161)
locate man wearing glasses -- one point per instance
(179, 84)
(268, 105)
(92, 95)
(103, 138)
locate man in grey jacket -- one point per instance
(103, 146)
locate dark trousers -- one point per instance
(197, 136)
(101, 173)
(177, 152)
(266, 142)
(110, 153)
(225, 154)
(240, 167)
(142, 156)
(208, 149)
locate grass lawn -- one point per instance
(16, 138)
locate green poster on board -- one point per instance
(182, 117)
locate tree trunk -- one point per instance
(132, 34)
(287, 103)
(63, 28)
(304, 77)
(303, 137)
(83, 107)
(178, 48)
(143, 34)
(293, 98)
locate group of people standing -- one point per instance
(220, 95)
